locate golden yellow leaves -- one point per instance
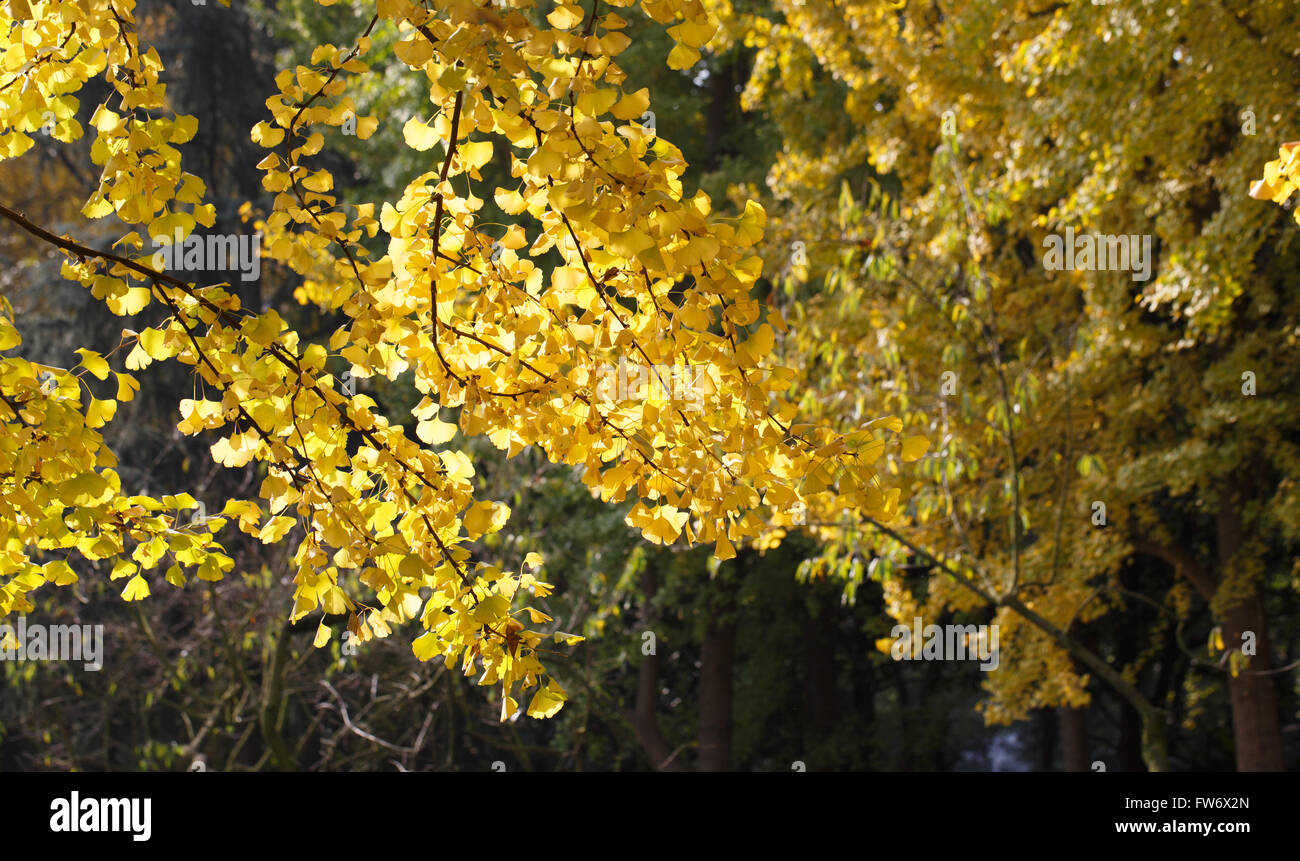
(58, 474)
(94, 363)
(547, 701)
(474, 155)
(756, 348)
(648, 274)
(749, 226)
(690, 35)
(434, 431)
(565, 17)
(137, 588)
(914, 448)
(236, 450)
(511, 202)
(121, 299)
(127, 386)
(199, 414)
(418, 135)
(151, 345)
(485, 517)
(629, 243)
(59, 572)
(414, 51)
(142, 172)
(1281, 177)
(175, 224)
(491, 610)
(633, 105)
(662, 525)
(8, 336)
(263, 329)
(570, 285)
(544, 164)
(100, 412)
(592, 104)
(274, 529)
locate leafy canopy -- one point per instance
(512, 325)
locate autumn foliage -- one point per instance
(381, 510)
(877, 357)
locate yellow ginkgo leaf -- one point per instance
(94, 363)
(914, 447)
(131, 301)
(136, 589)
(484, 517)
(127, 386)
(547, 701)
(435, 432)
(418, 136)
(100, 413)
(682, 57)
(565, 17)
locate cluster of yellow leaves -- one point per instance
(1281, 177)
(646, 273)
(50, 50)
(60, 495)
(43, 60)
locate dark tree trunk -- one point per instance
(1256, 726)
(1130, 738)
(1074, 739)
(723, 102)
(717, 656)
(643, 718)
(819, 656)
(1047, 726)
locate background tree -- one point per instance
(1140, 386)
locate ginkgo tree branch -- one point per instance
(999, 371)
(83, 252)
(1196, 659)
(159, 279)
(1153, 717)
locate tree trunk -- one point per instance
(717, 659)
(656, 747)
(1256, 726)
(723, 101)
(819, 656)
(717, 656)
(275, 655)
(1074, 739)
(1130, 738)
(1048, 732)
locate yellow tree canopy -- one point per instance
(608, 261)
